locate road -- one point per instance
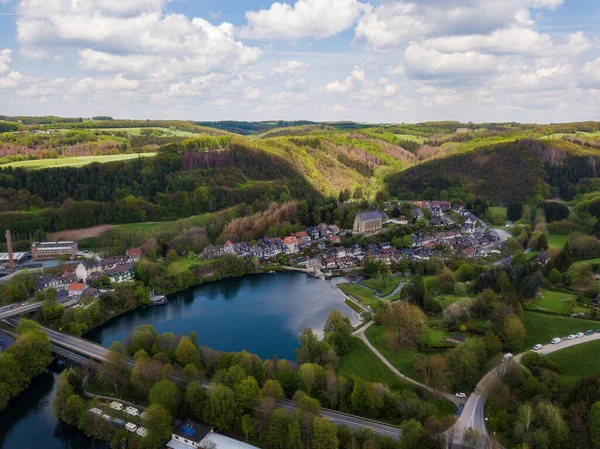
(81, 351)
(360, 333)
(473, 415)
(24, 308)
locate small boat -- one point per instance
(157, 300)
(271, 272)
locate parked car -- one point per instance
(564, 339)
(598, 331)
(460, 409)
(571, 337)
(555, 341)
(461, 395)
(537, 347)
(579, 335)
(590, 332)
(507, 357)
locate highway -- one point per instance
(80, 351)
(473, 415)
(20, 309)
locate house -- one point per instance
(334, 229)
(228, 248)
(402, 220)
(443, 205)
(86, 268)
(111, 262)
(417, 213)
(121, 273)
(55, 282)
(355, 249)
(369, 221)
(303, 237)
(76, 289)
(91, 293)
(302, 262)
(188, 435)
(385, 245)
(291, 243)
(41, 251)
(436, 211)
(213, 252)
(133, 254)
(313, 232)
(324, 230)
(335, 239)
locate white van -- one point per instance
(555, 341)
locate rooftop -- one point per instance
(192, 431)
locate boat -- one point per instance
(271, 272)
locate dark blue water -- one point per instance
(262, 314)
(28, 422)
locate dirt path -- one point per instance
(79, 234)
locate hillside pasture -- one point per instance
(541, 327)
(39, 164)
(577, 362)
(553, 302)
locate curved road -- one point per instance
(473, 415)
(360, 333)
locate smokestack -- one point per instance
(11, 260)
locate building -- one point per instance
(76, 289)
(133, 254)
(188, 435)
(41, 251)
(86, 268)
(368, 221)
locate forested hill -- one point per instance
(502, 173)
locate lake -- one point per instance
(262, 314)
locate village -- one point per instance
(449, 230)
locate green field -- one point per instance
(385, 286)
(142, 227)
(74, 161)
(541, 327)
(556, 241)
(412, 138)
(184, 263)
(577, 362)
(363, 295)
(449, 298)
(585, 262)
(138, 131)
(497, 212)
(555, 302)
(361, 362)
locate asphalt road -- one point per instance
(473, 415)
(16, 311)
(75, 348)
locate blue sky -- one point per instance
(373, 61)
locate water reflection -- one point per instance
(262, 314)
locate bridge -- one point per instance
(81, 351)
(20, 309)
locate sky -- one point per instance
(363, 60)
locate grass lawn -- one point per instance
(541, 327)
(361, 362)
(353, 305)
(184, 263)
(585, 262)
(577, 361)
(555, 302)
(385, 286)
(556, 241)
(74, 161)
(142, 227)
(449, 298)
(365, 296)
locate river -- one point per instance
(262, 314)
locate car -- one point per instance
(537, 347)
(598, 331)
(555, 341)
(460, 409)
(571, 337)
(589, 332)
(579, 335)
(461, 395)
(563, 339)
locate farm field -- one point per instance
(541, 327)
(555, 302)
(138, 131)
(577, 362)
(74, 161)
(412, 138)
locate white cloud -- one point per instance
(5, 60)
(352, 82)
(295, 84)
(118, 83)
(425, 61)
(35, 53)
(290, 67)
(11, 80)
(306, 18)
(252, 93)
(395, 22)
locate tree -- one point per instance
(166, 394)
(248, 426)
(338, 331)
(434, 370)
(247, 393)
(116, 372)
(513, 333)
(277, 431)
(187, 353)
(456, 313)
(294, 433)
(406, 324)
(446, 280)
(73, 410)
(158, 422)
(271, 389)
(414, 291)
(514, 211)
(309, 376)
(364, 400)
(195, 399)
(554, 277)
(221, 409)
(324, 434)
(594, 425)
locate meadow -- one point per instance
(74, 161)
(541, 327)
(577, 361)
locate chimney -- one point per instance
(11, 260)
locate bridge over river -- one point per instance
(81, 351)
